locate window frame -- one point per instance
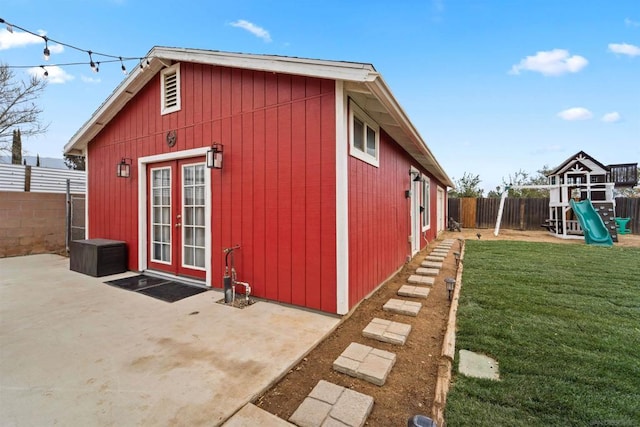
(426, 203)
(174, 69)
(368, 123)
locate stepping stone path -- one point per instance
(436, 258)
(364, 362)
(421, 280)
(329, 404)
(399, 306)
(413, 291)
(439, 251)
(427, 271)
(431, 264)
(387, 331)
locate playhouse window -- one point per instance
(426, 215)
(364, 136)
(170, 89)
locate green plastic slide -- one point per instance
(595, 232)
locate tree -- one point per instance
(522, 178)
(16, 148)
(467, 186)
(74, 162)
(18, 107)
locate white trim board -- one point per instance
(342, 201)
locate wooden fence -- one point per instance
(525, 213)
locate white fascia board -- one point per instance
(334, 70)
(380, 89)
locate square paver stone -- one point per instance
(413, 291)
(374, 367)
(431, 264)
(436, 258)
(330, 405)
(399, 306)
(420, 280)
(387, 331)
(439, 251)
(423, 271)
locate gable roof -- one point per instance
(362, 82)
(580, 157)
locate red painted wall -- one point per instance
(275, 194)
(379, 217)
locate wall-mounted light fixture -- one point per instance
(214, 156)
(124, 168)
(418, 177)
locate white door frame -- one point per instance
(416, 226)
(440, 210)
(143, 262)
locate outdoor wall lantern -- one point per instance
(418, 178)
(124, 168)
(457, 255)
(214, 156)
(451, 284)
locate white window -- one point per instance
(364, 136)
(170, 89)
(426, 204)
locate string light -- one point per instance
(46, 52)
(95, 65)
(46, 73)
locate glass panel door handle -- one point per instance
(178, 224)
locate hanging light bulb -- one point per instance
(91, 63)
(95, 70)
(124, 69)
(46, 73)
(46, 53)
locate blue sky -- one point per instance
(493, 86)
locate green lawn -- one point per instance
(563, 322)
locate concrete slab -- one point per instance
(413, 291)
(431, 264)
(436, 258)
(251, 415)
(346, 408)
(408, 308)
(478, 365)
(364, 362)
(421, 280)
(387, 331)
(75, 351)
(423, 271)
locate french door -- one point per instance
(176, 217)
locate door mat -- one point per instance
(162, 289)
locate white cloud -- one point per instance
(551, 63)
(90, 79)
(56, 48)
(17, 39)
(575, 113)
(56, 74)
(630, 23)
(612, 117)
(624, 49)
(253, 29)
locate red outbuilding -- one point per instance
(324, 181)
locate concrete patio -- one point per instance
(74, 351)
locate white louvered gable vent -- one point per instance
(170, 89)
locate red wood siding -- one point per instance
(275, 194)
(379, 217)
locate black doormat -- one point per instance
(163, 289)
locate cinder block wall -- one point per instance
(31, 223)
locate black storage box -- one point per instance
(98, 257)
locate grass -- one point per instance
(563, 322)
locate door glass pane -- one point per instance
(193, 201)
(161, 215)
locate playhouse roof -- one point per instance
(361, 81)
(581, 157)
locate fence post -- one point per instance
(67, 233)
(27, 178)
(522, 203)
